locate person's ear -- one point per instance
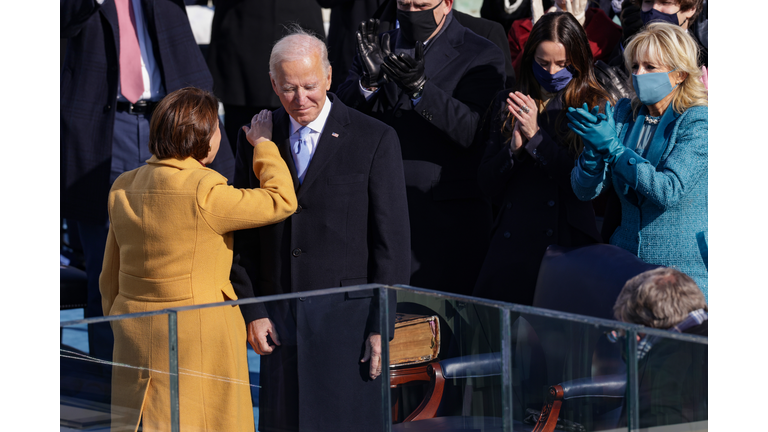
(330, 73)
(274, 84)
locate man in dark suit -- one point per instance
(491, 30)
(242, 35)
(434, 98)
(111, 79)
(350, 228)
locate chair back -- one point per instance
(585, 280)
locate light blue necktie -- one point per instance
(301, 152)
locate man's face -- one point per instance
(438, 13)
(301, 86)
(669, 7)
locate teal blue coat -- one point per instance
(664, 199)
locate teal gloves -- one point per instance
(597, 131)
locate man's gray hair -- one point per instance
(658, 298)
(297, 45)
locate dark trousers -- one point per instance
(130, 150)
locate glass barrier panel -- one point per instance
(108, 392)
(447, 370)
(302, 370)
(672, 382)
(575, 356)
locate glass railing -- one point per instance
(457, 363)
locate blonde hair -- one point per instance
(671, 46)
(658, 298)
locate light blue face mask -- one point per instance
(652, 87)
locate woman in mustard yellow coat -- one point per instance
(170, 245)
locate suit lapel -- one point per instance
(443, 52)
(281, 137)
(109, 10)
(332, 138)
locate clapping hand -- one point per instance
(523, 107)
(407, 72)
(370, 54)
(597, 131)
(577, 8)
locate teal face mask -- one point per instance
(652, 87)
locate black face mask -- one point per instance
(418, 25)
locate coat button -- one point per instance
(551, 203)
(632, 161)
(507, 234)
(296, 252)
(509, 205)
(298, 209)
(302, 298)
(549, 233)
(107, 108)
(398, 114)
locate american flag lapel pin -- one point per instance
(335, 135)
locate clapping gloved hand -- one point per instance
(407, 72)
(597, 131)
(370, 54)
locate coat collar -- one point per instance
(188, 163)
(659, 142)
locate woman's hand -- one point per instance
(516, 143)
(518, 104)
(261, 128)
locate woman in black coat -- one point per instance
(529, 155)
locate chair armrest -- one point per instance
(472, 366)
(602, 386)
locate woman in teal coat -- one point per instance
(654, 149)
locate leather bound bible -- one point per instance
(417, 340)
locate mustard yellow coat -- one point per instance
(170, 245)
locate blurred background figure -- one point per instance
(529, 155)
(242, 36)
(654, 150)
(161, 214)
(603, 34)
(673, 374)
(387, 16)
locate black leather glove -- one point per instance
(631, 20)
(407, 72)
(370, 53)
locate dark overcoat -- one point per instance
(450, 219)
(89, 79)
(537, 206)
(350, 228)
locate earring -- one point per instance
(209, 147)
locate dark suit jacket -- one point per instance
(493, 31)
(242, 35)
(450, 220)
(350, 228)
(537, 206)
(346, 16)
(89, 91)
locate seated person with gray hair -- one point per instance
(672, 374)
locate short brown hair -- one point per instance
(658, 298)
(685, 6)
(183, 124)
